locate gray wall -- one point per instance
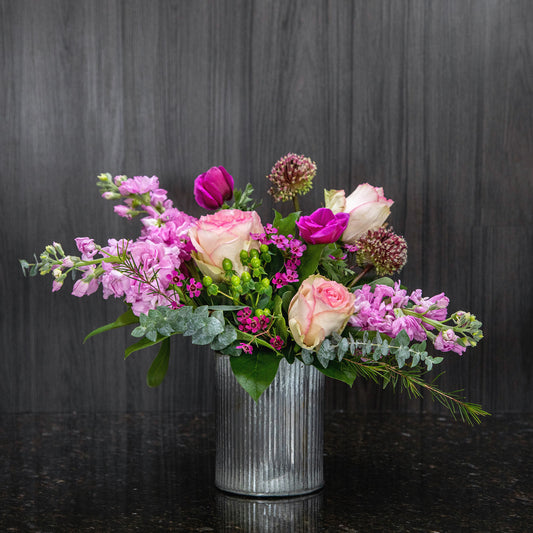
(430, 99)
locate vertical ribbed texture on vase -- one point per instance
(280, 515)
(273, 447)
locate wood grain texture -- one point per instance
(431, 100)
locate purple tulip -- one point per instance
(213, 187)
(322, 226)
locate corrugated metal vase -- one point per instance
(273, 447)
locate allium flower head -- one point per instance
(384, 249)
(291, 175)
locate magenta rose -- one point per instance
(319, 308)
(322, 226)
(223, 235)
(213, 187)
(367, 206)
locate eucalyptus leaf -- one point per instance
(307, 357)
(224, 339)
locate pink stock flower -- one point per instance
(114, 284)
(411, 325)
(87, 247)
(319, 308)
(446, 341)
(138, 185)
(123, 211)
(84, 287)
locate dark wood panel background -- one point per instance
(433, 100)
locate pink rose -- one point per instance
(223, 235)
(367, 206)
(319, 308)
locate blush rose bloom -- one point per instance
(367, 206)
(223, 235)
(319, 308)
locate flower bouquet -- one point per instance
(308, 287)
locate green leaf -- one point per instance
(403, 338)
(158, 368)
(205, 335)
(286, 299)
(226, 307)
(255, 371)
(307, 357)
(123, 320)
(382, 281)
(141, 344)
(285, 226)
(280, 324)
(310, 260)
(265, 297)
(224, 339)
(341, 371)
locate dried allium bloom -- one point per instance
(383, 249)
(291, 175)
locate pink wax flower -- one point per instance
(213, 187)
(322, 226)
(319, 308)
(223, 235)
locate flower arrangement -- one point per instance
(313, 288)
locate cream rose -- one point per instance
(319, 308)
(367, 206)
(223, 235)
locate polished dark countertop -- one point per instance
(155, 472)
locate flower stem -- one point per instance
(296, 202)
(367, 269)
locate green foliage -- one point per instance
(125, 319)
(205, 325)
(286, 226)
(280, 325)
(255, 371)
(243, 199)
(158, 368)
(333, 266)
(310, 260)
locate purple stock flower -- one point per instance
(446, 341)
(213, 187)
(138, 185)
(322, 226)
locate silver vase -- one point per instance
(273, 447)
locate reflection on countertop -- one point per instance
(155, 472)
